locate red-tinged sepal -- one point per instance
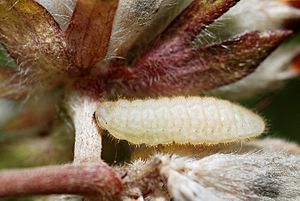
(187, 26)
(89, 31)
(193, 71)
(34, 41)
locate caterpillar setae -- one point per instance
(181, 120)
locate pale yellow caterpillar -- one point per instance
(180, 120)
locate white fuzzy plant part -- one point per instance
(139, 21)
(261, 14)
(135, 21)
(249, 15)
(88, 142)
(262, 175)
(254, 176)
(182, 120)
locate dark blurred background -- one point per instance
(282, 112)
(281, 108)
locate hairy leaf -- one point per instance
(267, 175)
(61, 10)
(33, 39)
(138, 22)
(185, 28)
(248, 15)
(191, 71)
(89, 31)
(269, 76)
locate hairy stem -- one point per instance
(96, 179)
(88, 141)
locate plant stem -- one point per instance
(97, 179)
(88, 141)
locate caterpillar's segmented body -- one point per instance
(181, 120)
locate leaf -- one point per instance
(274, 15)
(33, 39)
(61, 10)
(185, 28)
(262, 175)
(139, 22)
(269, 76)
(193, 71)
(89, 32)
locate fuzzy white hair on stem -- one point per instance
(263, 175)
(88, 141)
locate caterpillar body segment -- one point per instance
(179, 120)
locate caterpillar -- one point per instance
(182, 120)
